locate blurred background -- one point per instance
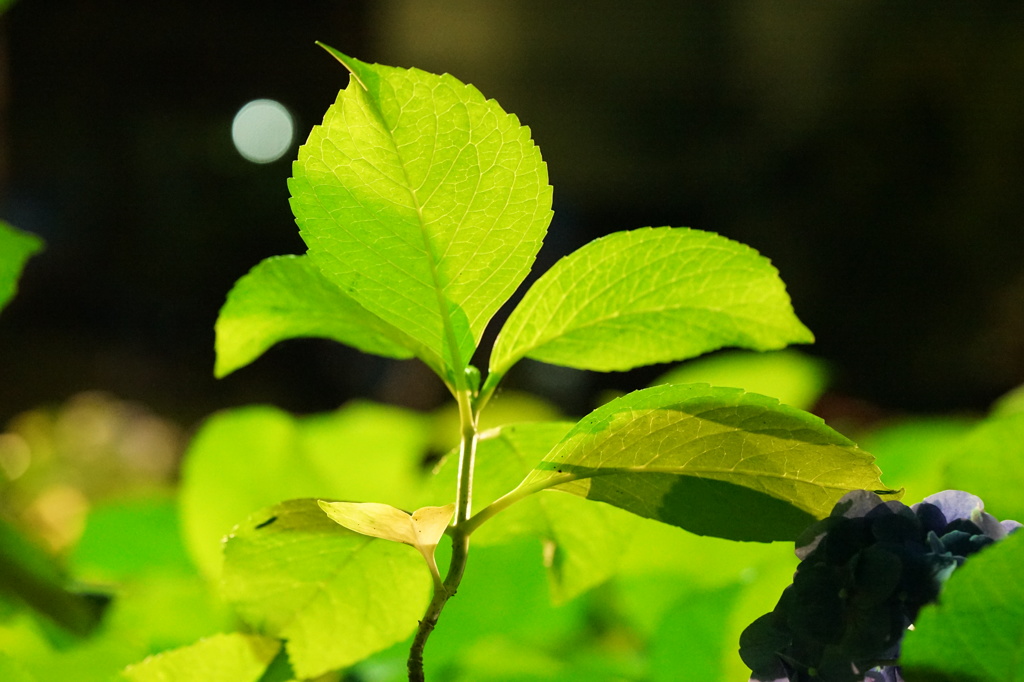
(874, 151)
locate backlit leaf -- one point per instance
(11, 671)
(423, 201)
(221, 658)
(16, 247)
(989, 462)
(334, 595)
(975, 632)
(915, 451)
(715, 461)
(245, 459)
(646, 296)
(286, 297)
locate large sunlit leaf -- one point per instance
(233, 657)
(334, 595)
(286, 297)
(646, 296)
(422, 200)
(16, 247)
(715, 461)
(246, 459)
(975, 632)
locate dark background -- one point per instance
(873, 150)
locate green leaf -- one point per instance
(161, 601)
(423, 201)
(989, 462)
(691, 635)
(670, 569)
(286, 297)
(715, 461)
(11, 671)
(221, 658)
(647, 296)
(334, 595)
(47, 656)
(504, 600)
(127, 538)
(1009, 403)
(796, 379)
(915, 451)
(16, 247)
(975, 632)
(249, 458)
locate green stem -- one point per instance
(510, 498)
(459, 533)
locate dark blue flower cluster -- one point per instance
(864, 574)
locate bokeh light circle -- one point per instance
(262, 130)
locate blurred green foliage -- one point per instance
(674, 608)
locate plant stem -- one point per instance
(510, 498)
(459, 533)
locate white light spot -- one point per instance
(262, 131)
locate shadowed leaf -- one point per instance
(715, 461)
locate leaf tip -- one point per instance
(221, 369)
(344, 60)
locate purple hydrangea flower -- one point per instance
(865, 573)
